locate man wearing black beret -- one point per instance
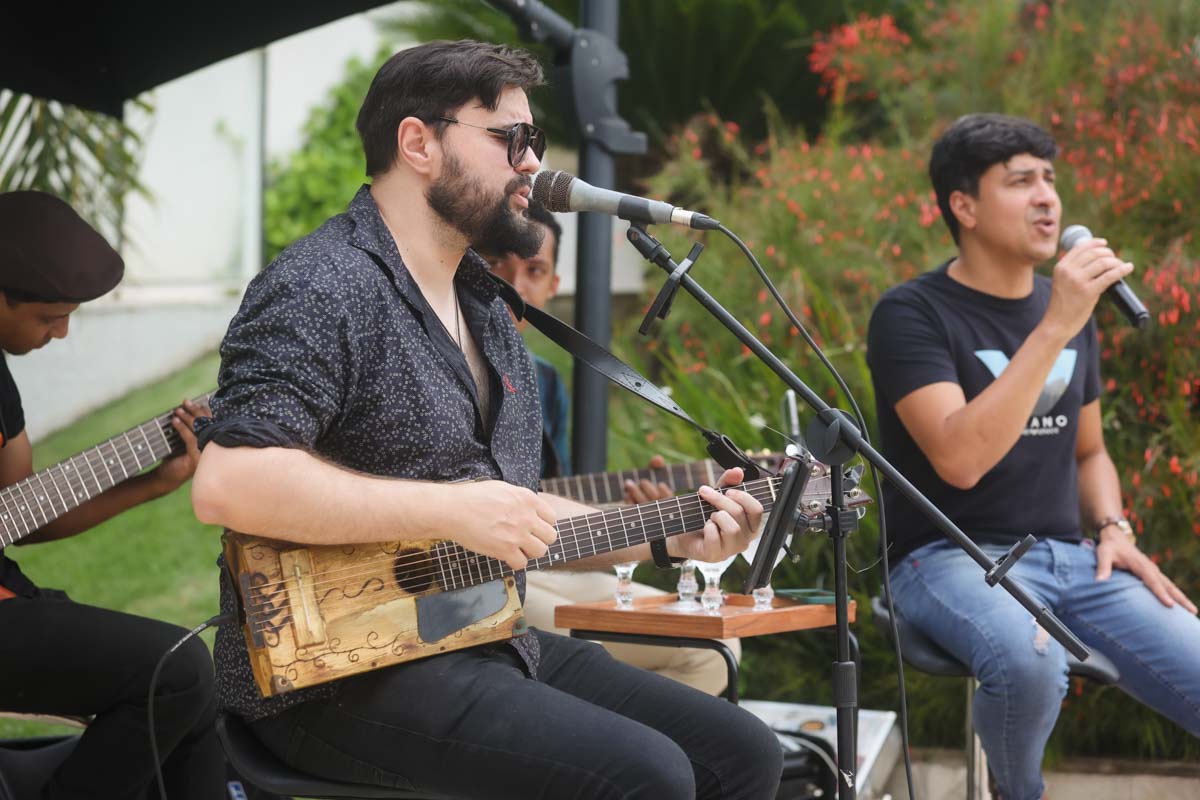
(62, 657)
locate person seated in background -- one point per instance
(987, 382)
(59, 657)
(536, 280)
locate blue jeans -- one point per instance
(1022, 672)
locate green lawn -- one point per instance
(156, 560)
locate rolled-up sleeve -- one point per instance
(285, 362)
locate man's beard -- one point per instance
(490, 227)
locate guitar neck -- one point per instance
(605, 488)
(604, 531)
(45, 496)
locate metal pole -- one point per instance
(593, 281)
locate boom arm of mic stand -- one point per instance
(852, 438)
(536, 21)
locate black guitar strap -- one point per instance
(720, 447)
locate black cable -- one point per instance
(220, 619)
(862, 424)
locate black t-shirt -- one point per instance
(934, 329)
(12, 423)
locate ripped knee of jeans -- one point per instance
(1041, 638)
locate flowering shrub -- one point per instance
(837, 220)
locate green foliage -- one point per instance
(838, 219)
(318, 180)
(761, 42)
(684, 56)
(87, 158)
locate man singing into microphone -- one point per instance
(373, 387)
(987, 385)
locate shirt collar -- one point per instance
(372, 236)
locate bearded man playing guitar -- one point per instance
(373, 387)
(61, 657)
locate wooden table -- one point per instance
(648, 623)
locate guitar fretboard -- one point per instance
(605, 531)
(45, 496)
(606, 488)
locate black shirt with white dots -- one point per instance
(336, 351)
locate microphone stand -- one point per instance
(834, 439)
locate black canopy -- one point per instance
(97, 55)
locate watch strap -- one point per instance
(662, 559)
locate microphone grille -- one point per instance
(1073, 235)
(552, 189)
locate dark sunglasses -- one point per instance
(520, 137)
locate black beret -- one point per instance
(49, 254)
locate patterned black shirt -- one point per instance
(336, 351)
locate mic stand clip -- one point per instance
(654, 252)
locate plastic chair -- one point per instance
(261, 768)
(922, 654)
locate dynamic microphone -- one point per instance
(562, 191)
(1119, 292)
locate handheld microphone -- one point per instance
(1119, 292)
(561, 191)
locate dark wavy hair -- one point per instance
(431, 80)
(972, 145)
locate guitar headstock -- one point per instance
(817, 489)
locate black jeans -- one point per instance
(61, 657)
(472, 724)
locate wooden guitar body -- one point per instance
(315, 614)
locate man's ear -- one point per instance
(963, 207)
(554, 285)
(417, 146)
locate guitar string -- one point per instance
(16, 501)
(688, 521)
(351, 603)
(645, 513)
(22, 501)
(347, 604)
(572, 544)
(121, 445)
(451, 569)
(674, 474)
(580, 531)
(419, 570)
(57, 476)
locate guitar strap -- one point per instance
(578, 344)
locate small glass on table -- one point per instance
(712, 599)
(688, 587)
(624, 592)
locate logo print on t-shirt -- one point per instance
(1056, 386)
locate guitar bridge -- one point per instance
(306, 618)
